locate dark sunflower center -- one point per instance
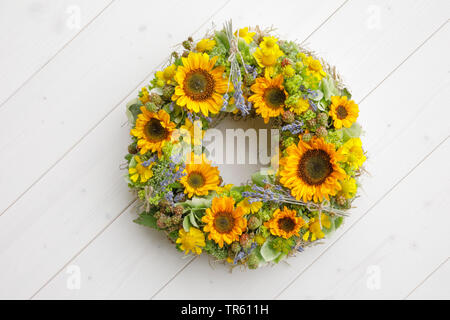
(315, 167)
(341, 112)
(155, 131)
(223, 222)
(286, 224)
(196, 180)
(274, 97)
(199, 85)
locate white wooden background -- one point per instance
(68, 67)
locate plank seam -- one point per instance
(426, 278)
(361, 217)
(54, 56)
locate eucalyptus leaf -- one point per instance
(186, 223)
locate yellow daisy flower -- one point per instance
(348, 188)
(153, 130)
(353, 153)
(200, 176)
(313, 66)
(269, 97)
(224, 222)
(192, 133)
(343, 111)
(194, 240)
(248, 207)
(314, 229)
(301, 106)
(200, 85)
(267, 54)
(311, 170)
(167, 74)
(285, 223)
(245, 34)
(144, 96)
(205, 45)
(140, 172)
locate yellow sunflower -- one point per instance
(153, 130)
(245, 34)
(343, 111)
(200, 85)
(224, 222)
(248, 207)
(353, 153)
(200, 176)
(311, 170)
(192, 133)
(269, 96)
(194, 240)
(205, 45)
(141, 172)
(314, 228)
(285, 223)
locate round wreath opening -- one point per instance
(243, 74)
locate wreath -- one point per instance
(244, 74)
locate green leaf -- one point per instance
(346, 93)
(329, 89)
(147, 220)
(192, 220)
(258, 179)
(353, 132)
(280, 257)
(133, 109)
(186, 223)
(222, 39)
(267, 252)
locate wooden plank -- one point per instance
(32, 32)
(436, 286)
(399, 242)
(72, 204)
(408, 106)
(108, 285)
(85, 82)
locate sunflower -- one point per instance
(343, 111)
(205, 45)
(353, 153)
(153, 130)
(311, 170)
(224, 222)
(194, 240)
(269, 97)
(192, 132)
(244, 34)
(248, 207)
(140, 171)
(200, 176)
(314, 228)
(200, 87)
(285, 223)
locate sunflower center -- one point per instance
(199, 85)
(274, 97)
(286, 224)
(196, 180)
(155, 131)
(223, 222)
(315, 167)
(341, 112)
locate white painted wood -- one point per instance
(391, 250)
(407, 139)
(72, 204)
(437, 286)
(120, 263)
(32, 32)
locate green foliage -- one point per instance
(213, 249)
(147, 219)
(268, 252)
(353, 132)
(133, 109)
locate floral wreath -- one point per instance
(248, 73)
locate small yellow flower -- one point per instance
(205, 45)
(248, 207)
(343, 111)
(353, 153)
(224, 190)
(301, 106)
(313, 66)
(314, 228)
(144, 96)
(348, 188)
(288, 71)
(245, 34)
(259, 239)
(194, 240)
(267, 54)
(192, 133)
(143, 173)
(167, 74)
